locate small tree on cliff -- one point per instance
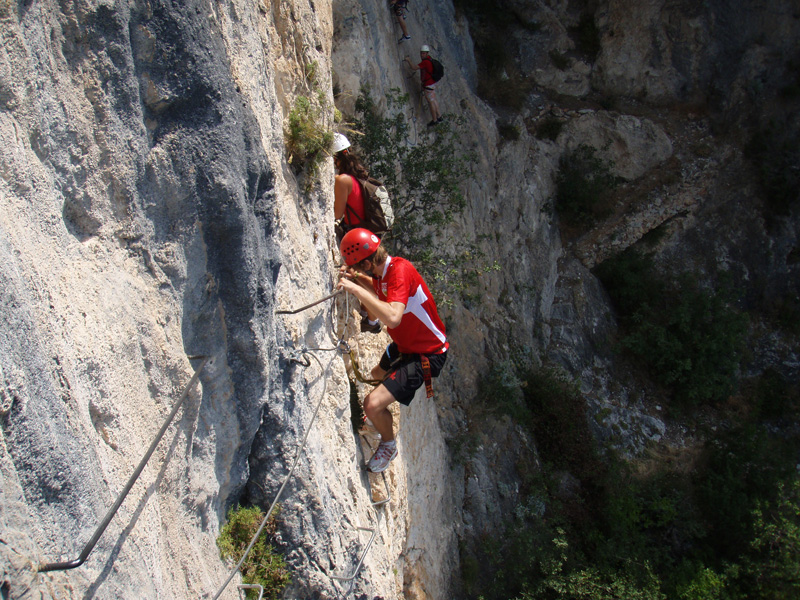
(426, 182)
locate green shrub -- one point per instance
(705, 585)
(560, 425)
(508, 131)
(693, 344)
(744, 467)
(727, 529)
(263, 565)
(308, 138)
(774, 397)
(771, 567)
(583, 183)
(501, 389)
(425, 181)
(690, 339)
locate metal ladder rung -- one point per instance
(253, 586)
(363, 555)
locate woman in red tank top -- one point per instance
(348, 199)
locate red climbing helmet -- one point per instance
(358, 244)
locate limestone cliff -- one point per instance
(150, 216)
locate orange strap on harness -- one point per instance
(426, 373)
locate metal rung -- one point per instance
(253, 586)
(380, 503)
(363, 556)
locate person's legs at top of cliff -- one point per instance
(399, 8)
(392, 290)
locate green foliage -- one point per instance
(771, 568)
(774, 397)
(728, 529)
(744, 466)
(705, 585)
(508, 131)
(311, 72)
(693, 345)
(583, 182)
(690, 339)
(591, 583)
(501, 389)
(308, 137)
(425, 183)
(263, 564)
(560, 425)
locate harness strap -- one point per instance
(357, 371)
(426, 373)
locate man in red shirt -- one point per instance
(392, 290)
(425, 68)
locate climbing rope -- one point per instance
(285, 481)
(301, 357)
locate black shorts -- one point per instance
(405, 374)
(399, 8)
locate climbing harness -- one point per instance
(357, 371)
(426, 373)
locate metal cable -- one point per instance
(87, 549)
(285, 482)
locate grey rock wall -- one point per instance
(139, 220)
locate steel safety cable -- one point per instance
(286, 480)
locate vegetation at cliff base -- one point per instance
(264, 565)
(689, 338)
(589, 525)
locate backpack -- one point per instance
(438, 70)
(378, 213)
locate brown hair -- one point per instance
(350, 165)
(376, 257)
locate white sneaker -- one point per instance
(383, 456)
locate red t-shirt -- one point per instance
(355, 201)
(426, 72)
(420, 331)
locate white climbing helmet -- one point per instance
(425, 48)
(340, 143)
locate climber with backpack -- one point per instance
(359, 200)
(393, 291)
(430, 72)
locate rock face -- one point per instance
(149, 218)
